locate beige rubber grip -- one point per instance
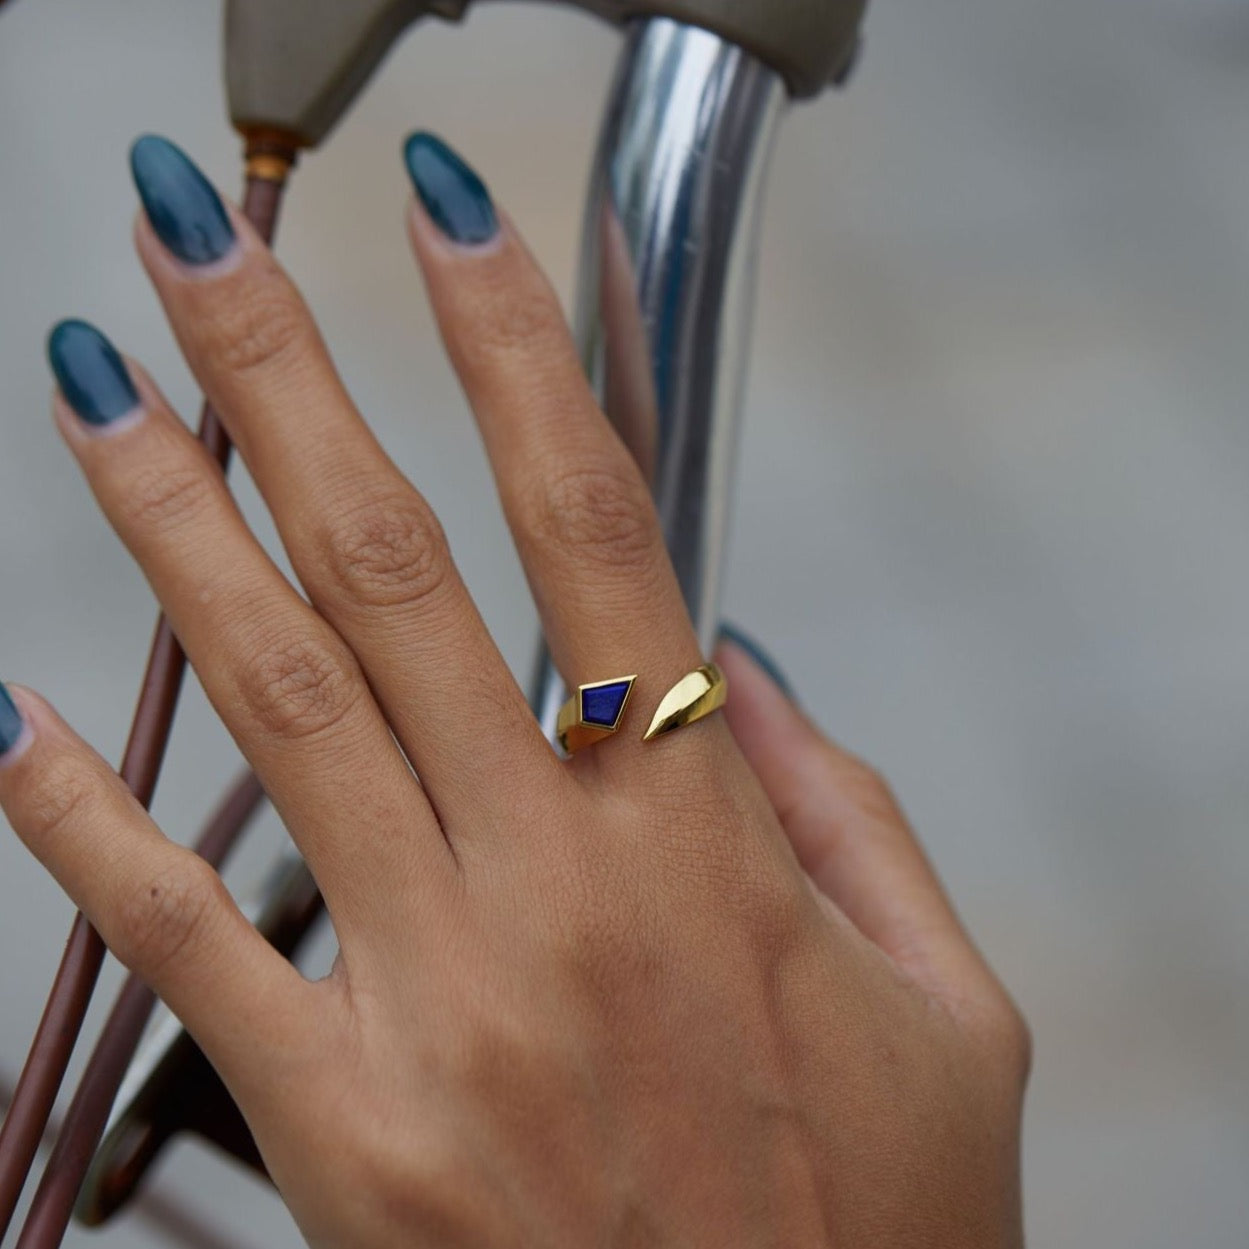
(294, 66)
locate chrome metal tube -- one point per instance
(667, 285)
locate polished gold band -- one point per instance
(596, 711)
(694, 697)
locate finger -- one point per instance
(847, 830)
(158, 906)
(579, 509)
(365, 545)
(284, 683)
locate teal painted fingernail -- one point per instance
(11, 723)
(92, 376)
(453, 195)
(759, 655)
(184, 209)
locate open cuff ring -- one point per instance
(596, 711)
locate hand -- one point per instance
(701, 991)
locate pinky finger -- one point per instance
(159, 907)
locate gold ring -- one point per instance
(695, 696)
(593, 713)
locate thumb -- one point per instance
(845, 826)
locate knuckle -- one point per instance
(257, 328)
(157, 918)
(866, 787)
(60, 795)
(299, 688)
(1011, 1040)
(509, 317)
(771, 901)
(433, 1184)
(760, 902)
(388, 553)
(160, 497)
(600, 515)
(1001, 1035)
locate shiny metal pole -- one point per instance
(667, 285)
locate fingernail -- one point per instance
(453, 195)
(759, 655)
(92, 376)
(11, 724)
(184, 209)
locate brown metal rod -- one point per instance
(134, 1003)
(44, 1070)
(58, 1030)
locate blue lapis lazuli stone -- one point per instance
(601, 706)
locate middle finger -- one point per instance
(365, 545)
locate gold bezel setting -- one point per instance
(574, 731)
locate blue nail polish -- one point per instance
(90, 373)
(186, 213)
(759, 655)
(453, 195)
(10, 722)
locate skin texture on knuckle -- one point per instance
(257, 321)
(163, 495)
(58, 791)
(503, 313)
(158, 916)
(298, 688)
(387, 552)
(597, 515)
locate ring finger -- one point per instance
(286, 686)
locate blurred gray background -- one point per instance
(993, 509)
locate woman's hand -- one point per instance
(700, 991)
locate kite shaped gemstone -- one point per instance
(602, 705)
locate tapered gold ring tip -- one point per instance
(694, 697)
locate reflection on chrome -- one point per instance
(667, 272)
